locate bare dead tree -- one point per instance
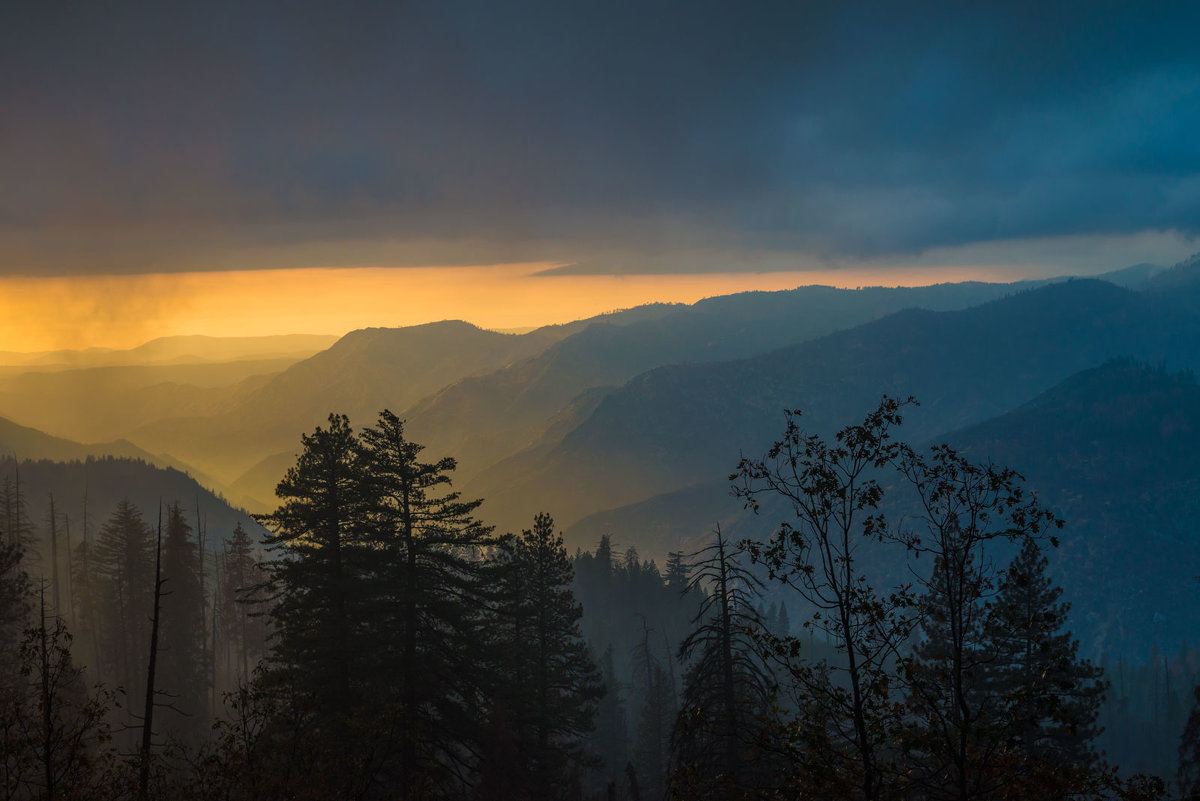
(148, 709)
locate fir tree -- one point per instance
(1051, 697)
(124, 567)
(316, 540)
(316, 584)
(240, 616)
(604, 556)
(427, 611)
(611, 735)
(677, 571)
(182, 660)
(550, 687)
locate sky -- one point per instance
(819, 141)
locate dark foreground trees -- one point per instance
(410, 641)
(378, 616)
(961, 513)
(965, 686)
(53, 728)
(414, 654)
(1049, 698)
(426, 607)
(848, 715)
(547, 687)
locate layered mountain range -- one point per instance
(629, 424)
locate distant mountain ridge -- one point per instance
(362, 373)
(485, 418)
(490, 412)
(482, 396)
(24, 442)
(97, 484)
(629, 424)
(1184, 274)
(185, 349)
(1116, 452)
(676, 426)
(109, 402)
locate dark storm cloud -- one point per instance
(171, 136)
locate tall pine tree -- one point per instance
(241, 618)
(181, 669)
(549, 686)
(316, 584)
(124, 571)
(427, 612)
(1051, 697)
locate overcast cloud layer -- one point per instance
(144, 137)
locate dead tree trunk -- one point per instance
(148, 709)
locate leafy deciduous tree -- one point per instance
(849, 716)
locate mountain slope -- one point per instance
(485, 418)
(191, 349)
(361, 374)
(1116, 452)
(99, 483)
(677, 426)
(29, 443)
(109, 402)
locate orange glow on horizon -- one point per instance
(123, 311)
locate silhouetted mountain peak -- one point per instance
(1184, 274)
(1123, 397)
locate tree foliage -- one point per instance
(961, 509)
(548, 686)
(835, 497)
(1050, 698)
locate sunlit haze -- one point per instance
(126, 310)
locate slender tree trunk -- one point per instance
(408, 763)
(213, 651)
(126, 646)
(728, 690)
(71, 616)
(87, 571)
(245, 639)
(54, 557)
(47, 703)
(148, 708)
(866, 750)
(210, 679)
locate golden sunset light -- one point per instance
(123, 311)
